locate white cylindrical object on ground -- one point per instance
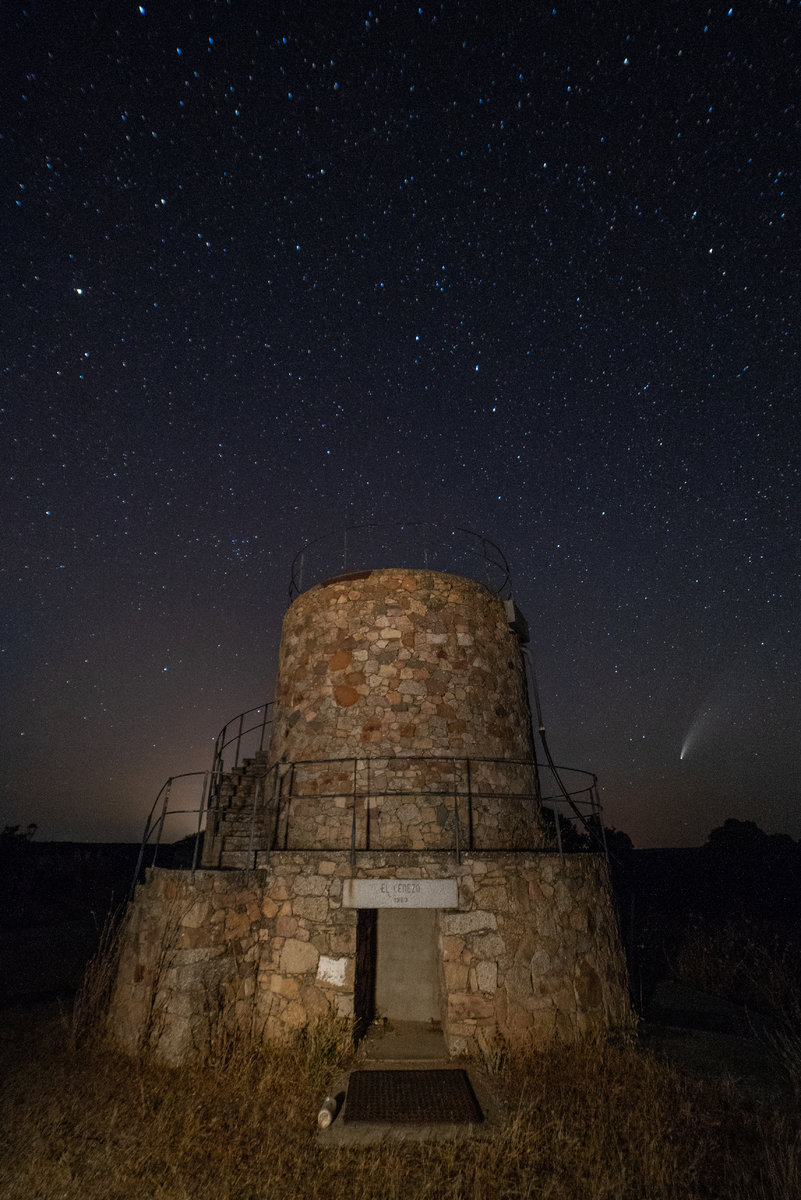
(328, 1111)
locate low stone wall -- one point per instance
(531, 953)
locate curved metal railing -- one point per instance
(234, 739)
(159, 814)
(277, 784)
(458, 789)
(576, 808)
(412, 544)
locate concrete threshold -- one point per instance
(407, 1046)
(404, 1042)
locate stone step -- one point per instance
(237, 843)
(236, 860)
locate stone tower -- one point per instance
(401, 722)
(386, 854)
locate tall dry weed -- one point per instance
(87, 1016)
(322, 1047)
(758, 967)
(586, 1122)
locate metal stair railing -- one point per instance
(276, 789)
(157, 818)
(251, 721)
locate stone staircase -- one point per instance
(228, 835)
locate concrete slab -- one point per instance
(404, 1042)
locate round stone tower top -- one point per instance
(407, 687)
(400, 662)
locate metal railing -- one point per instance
(411, 545)
(358, 781)
(279, 789)
(576, 808)
(160, 812)
(246, 733)
(234, 740)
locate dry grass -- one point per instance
(592, 1122)
(756, 966)
(89, 1007)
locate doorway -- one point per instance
(406, 986)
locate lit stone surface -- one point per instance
(417, 677)
(399, 775)
(524, 972)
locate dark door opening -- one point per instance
(364, 983)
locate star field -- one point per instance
(271, 269)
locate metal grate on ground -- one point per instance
(443, 1097)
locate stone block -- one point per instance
(283, 985)
(455, 976)
(452, 947)
(196, 938)
(311, 908)
(286, 926)
(540, 963)
(343, 941)
(488, 945)
(315, 1002)
(579, 918)
(589, 991)
(294, 1016)
(298, 957)
(343, 1007)
(468, 922)
(311, 885)
(197, 915)
(463, 1005)
(486, 976)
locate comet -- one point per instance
(699, 725)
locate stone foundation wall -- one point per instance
(531, 953)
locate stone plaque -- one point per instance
(400, 893)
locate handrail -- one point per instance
(223, 741)
(356, 547)
(585, 797)
(155, 824)
(285, 792)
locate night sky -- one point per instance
(533, 270)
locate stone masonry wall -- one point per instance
(532, 952)
(401, 720)
(396, 661)
(406, 664)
